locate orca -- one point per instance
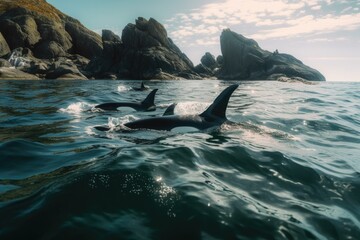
(214, 115)
(146, 105)
(141, 88)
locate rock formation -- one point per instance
(243, 59)
(144, 51)
(49, 35)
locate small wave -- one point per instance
(76, 108)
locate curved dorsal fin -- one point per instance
(149, 100)
(218, 107)
(142, 85)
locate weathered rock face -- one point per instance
(85, 42)
(243, 59)
(143, 52)
(4, 47)
(15, 74)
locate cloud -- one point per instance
(327, 39)
(309, 25)
(262, 19)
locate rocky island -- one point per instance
(37, 41)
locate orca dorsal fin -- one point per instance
(142, 85)
(170, 110)
(149, 100)
(218, 107)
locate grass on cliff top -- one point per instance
(39, 6)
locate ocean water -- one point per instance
(287, 168)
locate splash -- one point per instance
(184, 108)
(122, 88)
(118, 123)
(77, 108)
(17, 60)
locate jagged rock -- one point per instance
(208, 60)
(109, 36)
(56, 32)
(204, 71)
(4, 47)
(29, 28)
(144, 48)
(79, 61)
(245, 60)
(12, 33)
(49, 50)
(64, 69)
(15, 74)
(23, 59)
(4, 63)
(85, 42)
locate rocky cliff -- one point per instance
(243, 59)
(47, 36)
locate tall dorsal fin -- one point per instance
(142, 85)
(149, 100)
(218, 107)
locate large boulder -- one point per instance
(64, 69)
(49, 50)
(12, 33)
(143, 50)
(7, 73)
(29, 28)
(4, 47)
(85, 42)
(243, 59)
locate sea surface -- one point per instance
(288, 167)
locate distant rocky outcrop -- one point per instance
(144, 51)
(243, 59)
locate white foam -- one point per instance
(184, 108)
(118, 123)
(77, 108)
(122, 88)
(16, 60)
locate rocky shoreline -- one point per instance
(43, 43)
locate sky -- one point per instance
(323, 34)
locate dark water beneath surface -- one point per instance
(288, 169)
